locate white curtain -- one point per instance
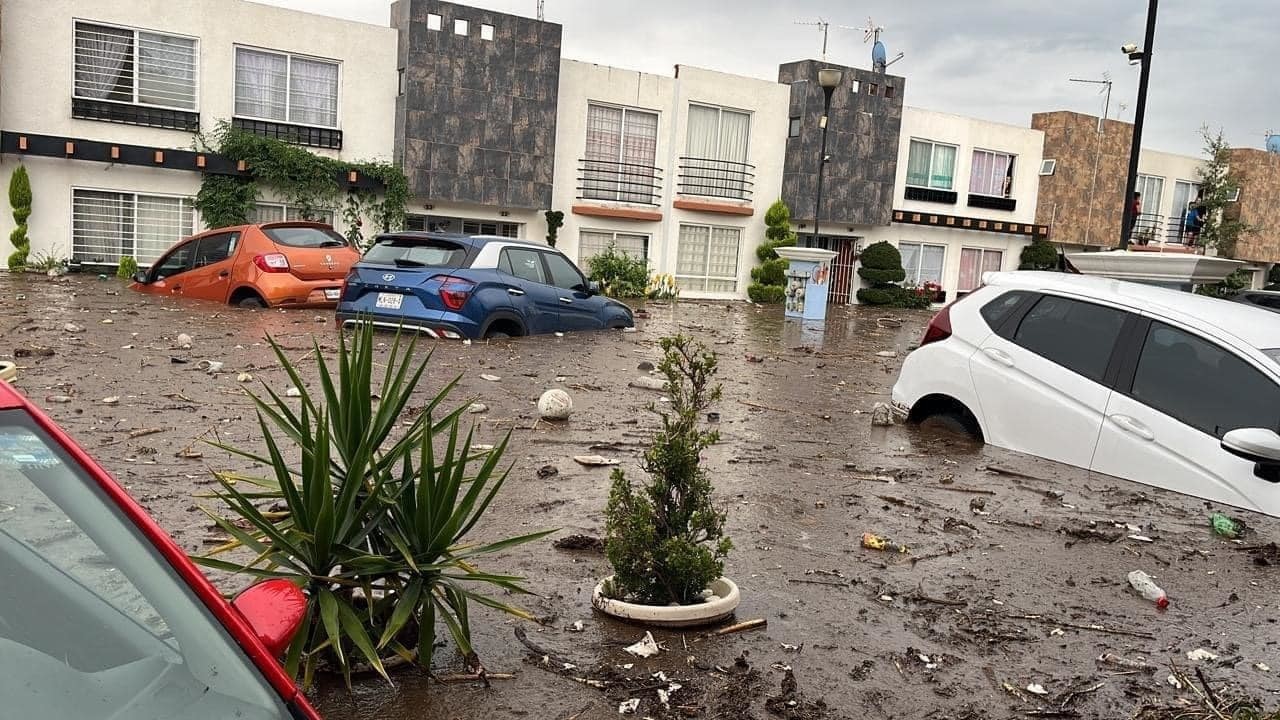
(313, 92)
(161, 222)
(918, 163)
(911, 261)
(167, 71)
(101, 226)
(931, 264)
(944, 167)
(735, 130)
(604, 141)
(974, 263)
(101, 55)
(980, 173)
(260, 84)
(639, 147)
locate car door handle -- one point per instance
(566, 301)
(999, 356)
(514, 291)
(1134, 427)
(223, 274)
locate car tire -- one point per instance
(252, 302)
(954, 422)
(496, 335)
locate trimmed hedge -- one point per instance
(766, 294)
(1039, 255)
(881, 264)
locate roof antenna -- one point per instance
(879, 56)
(1106, 83)
(823, 26)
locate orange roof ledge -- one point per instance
(619, 213)
(710, 206)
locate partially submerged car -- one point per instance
(1158, 386)
(463, 286)
(284, 264)
(103, 616)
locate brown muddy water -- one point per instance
(1014, 579)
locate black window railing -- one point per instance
(619, 182)
(1152, 227)
(296, 134)
(990, 202)
(128, 114)
(946, 197)
(716, 178)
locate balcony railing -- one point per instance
(716, 178)
(619, 181)
(1151, 227)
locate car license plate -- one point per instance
(390, 301)
(331, 293)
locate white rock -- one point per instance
(1037, 689)
(293, 392)
(881, 415)
(244, 377)
(1263, 667)
(477, 408)
(72, 328)
(594, 460)
(113, 400)
(555, 404)
(577, 626)
(1174, 682)
(1200, 654)
(628, 707)
(108, 321)
(185, 339)
(490, 378)
(645, 382)
(887, 354)
(628, 330)
(646, 647)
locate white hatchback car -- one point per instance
(1152, 385)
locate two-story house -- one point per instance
(104, 100)
(964, 199)
(678, 170)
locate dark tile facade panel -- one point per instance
(1258, 173)
(1083, 207)
(862, 142)
(477, 122)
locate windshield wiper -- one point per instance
(333, 243)
(405, 262)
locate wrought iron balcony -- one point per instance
(716, 178)
(1152, 227)
(619, 182)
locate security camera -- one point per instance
(1129, 49)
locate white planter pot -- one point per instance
(704, 613)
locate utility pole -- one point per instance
(1142, 56)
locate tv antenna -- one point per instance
(1106, 104)
(825, 28)
(541, 10)
(879, 56)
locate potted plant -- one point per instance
(665, 539)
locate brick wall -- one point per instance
(1083, 206)
(1258, 173)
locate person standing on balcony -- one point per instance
(1135, 211)
(1193, 223)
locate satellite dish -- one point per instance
(1273, 144)
(879, 57)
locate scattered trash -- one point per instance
(466, 341)
(477, 408)
(645, 382)
(244, 377)
(108, 321)
(887, 354)
(60, 399)
(184, 341)
(645, 366)
(871, 541)
(113, 400)
(555, 404)
(713, 417)
(189, 453)
(886, 598)
(1117, 661)
(1263, 667)
(490, 378)
(547, 471)
(293, 392)
(645, 647)
(33, 352)
(787, 647)
(1141, 538)
(559, 334)
(1227, 527)
(978, 506)
(754, 358)
(594, 460)
(178, 360)
(1174, 681)
(881, 415)
(579, 542)
(72, 328)
(1147, 588)
(628, 707)
(1037, 689)
(212, 367)
(1057, 632)
(628, 330)
(319, 319)
(577, 626)
(1201, 655)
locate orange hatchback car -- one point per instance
(283, 264)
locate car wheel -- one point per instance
(496, 335)
(953, 422)
(252, 301)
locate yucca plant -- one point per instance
(373, 527)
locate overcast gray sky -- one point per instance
(998, 60)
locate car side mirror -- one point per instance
(274, 610)
(140, 277)
(593, 288)
(1259, 446)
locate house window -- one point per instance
(889, 91)
(484, 227)
(923, 263)
(400, 81)
(279, 212)
(106, 226)
(434, 21)
(793, 130)
(135, 66)
(973, 263)
(855, 86)
(486, 32)
(621, 146)
(594, 242)
(716, 162)
(461, 27)
(707, 259)
(286, 88)
(1152, 188)
(991, 174)
(872, 88)
(1048, 166)
(931, 165)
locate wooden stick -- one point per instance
(833, 583)
(473, 677)
(1093, 628)
(144, 432)
(739, 627)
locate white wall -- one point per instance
(583, 83)
(37, 71)
(1171, 168)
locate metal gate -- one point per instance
(843, 279)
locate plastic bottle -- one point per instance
(1148, 589)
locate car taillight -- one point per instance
(454, 291)
(939, 327)
(272, 263)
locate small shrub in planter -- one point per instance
(619, 274)
(127, 269)
(767, 294)
(20, 201)
(772, 271)
(881, 264)
(1039, 255)
(665, 539)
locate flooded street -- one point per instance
(1012, 590)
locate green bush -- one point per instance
(374, 501)
(881, 264)
(619, 274)
(666, 540)
(20, 201)
(127, 268)
(1229, 287)
(771, 272)
(1039, 255)
(894, 296)
(555, 220)
(767, 294)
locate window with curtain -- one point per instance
(1152, 188)
(716, 153)
(707, 258)
(619, 160)
(973, 263)
(923, 263)
(991, 174)
(286, 88)
(594, 242)
(106, 226)
(279, 212)
(135, 66)
(931, 165)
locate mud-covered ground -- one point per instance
(1013, 588)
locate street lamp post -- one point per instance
(829, 79)
(1141, 55)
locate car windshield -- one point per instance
(94, 623)
(417, 252)
(305, 237)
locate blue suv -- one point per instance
(463, 286)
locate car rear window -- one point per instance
(423, 252)
(997, 310)
(305, 237)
